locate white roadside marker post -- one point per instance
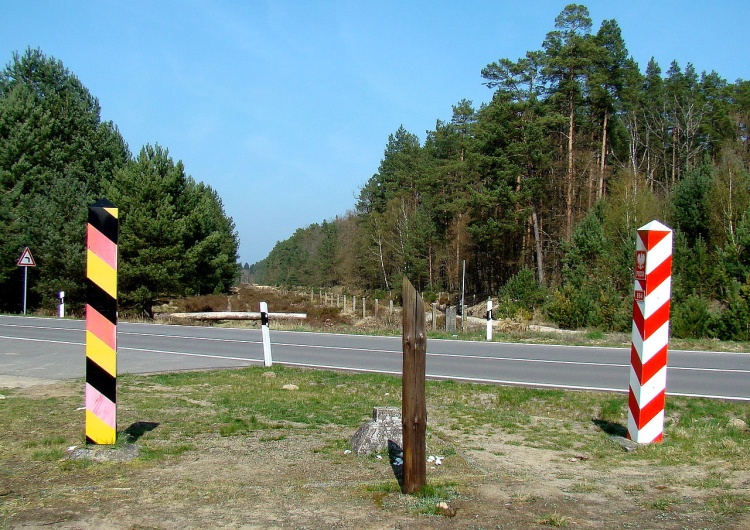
(267, 361)
(489, 320)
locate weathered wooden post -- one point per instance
(376, 309)
(413, 406)
(434, 323)
(364, 308)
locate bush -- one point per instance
(733, 321)
(521, 294)
(691, 318)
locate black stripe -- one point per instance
(100, 300)
(104, 221)
(101, 380)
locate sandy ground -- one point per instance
(302, 478)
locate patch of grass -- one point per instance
(662, 504)
(48, 455)
(150, 453)
(427, 499)
(555, 519)
(728, 504)
(238, 426)
(712, 480)
(276, 438)
(583, 486)
(634, 489)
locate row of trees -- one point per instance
(576, 149)
(56, 158)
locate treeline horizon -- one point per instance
(56, 159)
(541, 190)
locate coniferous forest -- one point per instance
(56, 159)
(541, 191)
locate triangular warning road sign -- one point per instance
(26, 259)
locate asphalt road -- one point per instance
(46, 348)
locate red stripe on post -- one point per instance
(102, 246)
(651, 238)
(100, 326)
(659, 275)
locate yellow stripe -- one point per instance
(101, 274)
(111, 211)
(99, 352)
(98, 431)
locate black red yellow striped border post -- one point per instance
(101, 323)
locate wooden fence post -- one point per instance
(413, 406)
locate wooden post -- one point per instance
(434, 323)
(413, 407)
(376, 309)
(364, 308)
(344, 310)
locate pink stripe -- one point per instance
(102, 246)
(102, 407)
(102, 328)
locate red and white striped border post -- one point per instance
(650, 336)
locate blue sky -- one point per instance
(285, 107)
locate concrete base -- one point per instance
(373, 436)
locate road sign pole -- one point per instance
(25, 279)
(26, 260)
(650, 333)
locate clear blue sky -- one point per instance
(285, 107)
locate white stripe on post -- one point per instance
(267, 361)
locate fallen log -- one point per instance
(231, 315)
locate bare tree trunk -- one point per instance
(538, 243)
(603, 160)
(569, 190)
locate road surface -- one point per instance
(46, 348)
